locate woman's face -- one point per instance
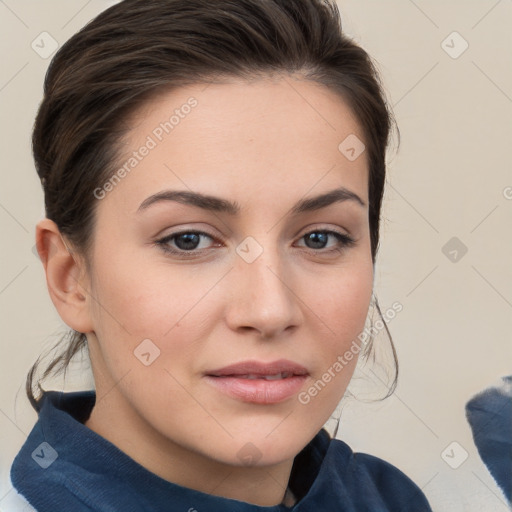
(238, 269)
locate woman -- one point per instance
(213, 176)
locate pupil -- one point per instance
(316, 238)
(191, 240)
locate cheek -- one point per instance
(139, 301)
(340, 312)
(146, 299)
(341, 303)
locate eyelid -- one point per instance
(181, 230)
(325, 227)
(303, 231)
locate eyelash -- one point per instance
(344, 240)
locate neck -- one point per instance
(115, 420)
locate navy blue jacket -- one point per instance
(66, 467)
(489, 414)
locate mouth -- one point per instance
(259, 383)
(252, 376)
(254, 369)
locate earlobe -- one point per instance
(65, 277)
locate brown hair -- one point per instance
(136, 48)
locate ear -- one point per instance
(66, 277)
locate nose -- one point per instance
(264, 299)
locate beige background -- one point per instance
(451, 178)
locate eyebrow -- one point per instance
(217, 204)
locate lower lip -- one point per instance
(258, 391)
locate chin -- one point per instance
(265, 445)
(255, 453)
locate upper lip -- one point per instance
(260, 368)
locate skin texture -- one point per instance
(264, 144)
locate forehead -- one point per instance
(241, 136)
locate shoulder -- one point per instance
(381, 485)
(42, 470)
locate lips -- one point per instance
(277, 376)
(254, 369)
(259, 383)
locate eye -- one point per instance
(318, 239)
(188, 243)
(184, 242)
